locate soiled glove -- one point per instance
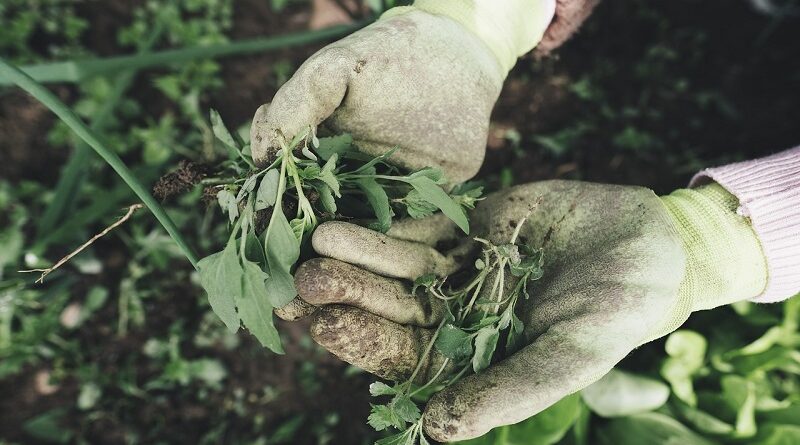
(422, 79)
(622, 267)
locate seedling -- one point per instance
(273, 211)
(478, 314)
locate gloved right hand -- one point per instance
(622, 267)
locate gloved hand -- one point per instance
(621, 267)
(423, 79)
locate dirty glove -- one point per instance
(621, 267)
(423, 79)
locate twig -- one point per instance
(83, 246)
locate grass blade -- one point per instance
(64, 113)
(74, 172)
(75, 71)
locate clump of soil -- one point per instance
(187, 175)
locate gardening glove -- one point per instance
(621, 267)
(422, 79)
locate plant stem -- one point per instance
(90, 137)
(424, 355)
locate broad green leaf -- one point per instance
(702, 421)
(741, 395)
(327, 176)
(779, 435)
(378, 200)
(248, 186)
(255, 309)
(485, 344)
(545, 428)
(454, 343)
(281, 244)
(686, 350)
(48, 427)
(326, 197)
(405, 408)
(383, 417)
(648, 429)
(267, 192)
(436, 196)
(434, 174)
(227, 201)
(417, 207)
(221, 131)
(334, 145)
(620, 393)
(280, 287)
(221, 276)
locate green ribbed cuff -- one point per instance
(724, 259)
(509, 28)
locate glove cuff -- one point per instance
(509, 28)
(725, 260)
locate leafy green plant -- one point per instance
(478, 313)
(309, 176)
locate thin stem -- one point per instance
(424, 355)
(91, 138)
(433, 379)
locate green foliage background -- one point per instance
(121, 347)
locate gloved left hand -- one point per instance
(422, 79)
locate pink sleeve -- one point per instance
(769, 194)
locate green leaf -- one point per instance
(740, 394)
(454, 343)
(434, 174)
(417, 207)
(436, 196)
(648, 429)
(247, 187)
(48, 427)
(334, 145)
(255, 309)
(545, 428)
(382, 417)
(424, 281)
(221, 277)
(282, 248)
(267, 192)
(221, 131)
(227, 201)
(310, 172)
(403, 438)
(686, 350)
(378, 200)
(778, 435)
(280, 287)
(702, 421)
(485, 344)
(326, 198)
(620, 393)
(405, 408)
(327, 176)
(381, 389)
